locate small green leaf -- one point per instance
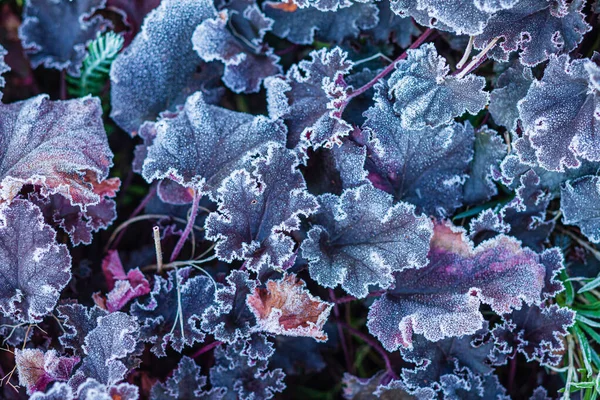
(593, 284)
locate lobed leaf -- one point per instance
(186, 383)
(579, 205)
(37, 369)
(3, 68)
(512, 86)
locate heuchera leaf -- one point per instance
(299, 355)
(425, 95)
(160, 67)
(123, 287)
(3, 68)
(91, 389)
(106, 347)
(78, 322)
(34, 268)
(537, 332)
(540, 394)
(58, 391)
(247, 62)
(186, 383)
(203, 144)
(285, 307)
(360, 238)
(173, 312)
(257, 211)
(308, 97)
(373, 389)
(442, 300)
(231, 318)
(37, 369)
(447, 356)
(560, 114)
(302, 25)
(244, 379)
(579, 203)
(393, 27)
(327, 5)
(63, 48)
(490, 150)
(470, 386)
(59, 145)
(512, 85)
(539, 28)
(426, 167)
(133, 13)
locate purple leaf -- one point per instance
(309, 96)
(392, 27)
(230, 318)
(160, 68)
(63, 48)
(3, 68)
(37, 369)
(469, 386)
(540, 394)
(78, 322)
(360, 238)
(59, 391)
(512, 85)
(248, 61)
(372, 388)
(537, 332)
(186, 383)
(302, 25)
(424, 167)
(123, 287)
(174, 310)
(426, 96)
(59, 145)
(539, 28)
(243, 379)
(443, 299)
(258, 211)
(133, 13)
(34, 268)
(91, 389)
(490, 150)
(560, 115)
(579, 204)
(222, 141)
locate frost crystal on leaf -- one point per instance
(248, 61)
(258, 210)
(443, 299)
(123, 287)
(160, 68)
(91, 389)
(360, 238)
(78, 322)
(33, 267)
(426, 167)
(37, 369)
(561, 114)
(59, 145)
(425, 95)
(580, 205)
(186, 383)
(309, 96)
(58, 391)
(201, 145)
(173, 312)
(3, 68)
(373, 389)
(63, 48)
(285, 307)
(512, 86)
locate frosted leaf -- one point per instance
(91, 389)
(426, 167)
(373, 389)
(3, 68)
(580, 205)
(105, 347)
(247, 62)
(425, 95)
(230, 318)
(469, 386)
(536, 332)
(360, 238)
(34, 268)
(203, 144)
(442, 299)
(512, 86)
(391, 26)
(59, 145)
(259, 210)
(308, 97)
(78, 322)
(539, 28)
(56, 33)
(244, 379)
(122, 287)
(160, 68)
(560, 115)
(286, 307)
(327, 5)
(490, 150)
(173, 312)
(458, 16)
(58, 391)
(185, 383)
(540, 393)
(133, 13)
(303, 25)
(37, 369)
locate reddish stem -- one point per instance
(135, 212)
(371, 342)
(336, 312)
(188, 227)
(206, 348)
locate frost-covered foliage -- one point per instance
(359, 199)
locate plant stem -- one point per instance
(336, 312)
(135, 212)
(348, 299)
(188, 227)
(374, 345)
(206, 348)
